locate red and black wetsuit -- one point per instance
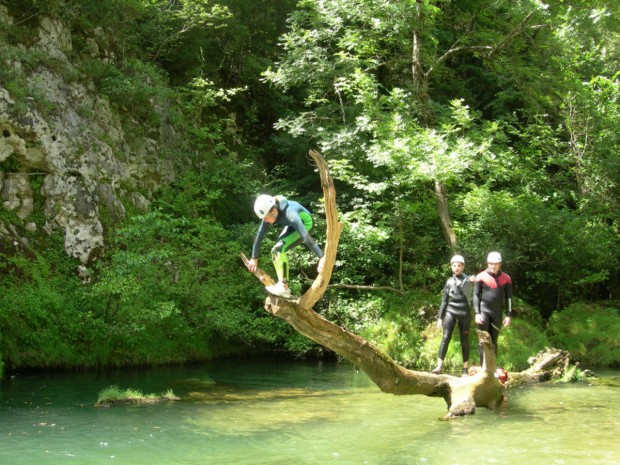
(491, 291)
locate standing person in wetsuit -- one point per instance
(455, 308)
(492, 291)
(297, 224)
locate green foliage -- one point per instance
(518, 343)
(170, 266)
(26, 92)
(397, 337)
(134, 87)
(41, 317)
(171, 286)
(298, 345)
(391, 126)
(556, 260)
(453, 362)
(364, 248)
(590, 332)
(391, 321)
(167, 25)
(573, 374)
(179, 279)
(208, 122)
(524, 338)
(113, 394)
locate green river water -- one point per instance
(259, 413)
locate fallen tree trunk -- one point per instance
(462, 394)
(548, 364)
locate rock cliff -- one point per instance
(68, 160)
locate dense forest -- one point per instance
(448, 126)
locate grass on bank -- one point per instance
(113, 395)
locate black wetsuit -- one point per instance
(455, 307)
(491, 292)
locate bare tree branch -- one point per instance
(361, 287)
(334, 228)
(491, 50)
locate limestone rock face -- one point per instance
(55, 37)
(68, 149)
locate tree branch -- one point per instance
(511, 35)
(334, 228)
(361, 287)
(262, 276)
(491, 50)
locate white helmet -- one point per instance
(263, 205)
(457, 258)
(494, 257)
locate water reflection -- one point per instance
(294, 413)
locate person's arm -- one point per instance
(467, 289)
(444, 304)
(313, 245)
(258, 240)
(478, 300)
(508, 296)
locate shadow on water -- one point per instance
(295, 413)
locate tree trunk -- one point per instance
(548, 364)
(444, 216)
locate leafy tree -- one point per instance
(449, 97)
(371, 108)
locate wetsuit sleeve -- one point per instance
(313, 246)
(297, 223)
(477, 296)
(466, 287)
(508, 295)
(258, 240)
(444, 301)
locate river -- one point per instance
(294, 413)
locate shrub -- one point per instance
(518, 343)
(397, 337)
(590, 332)
(547, 260)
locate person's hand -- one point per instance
(472, 279)
(439, 323)
(253, 265)
(479, 319)
(321, 264)
(507, 321)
